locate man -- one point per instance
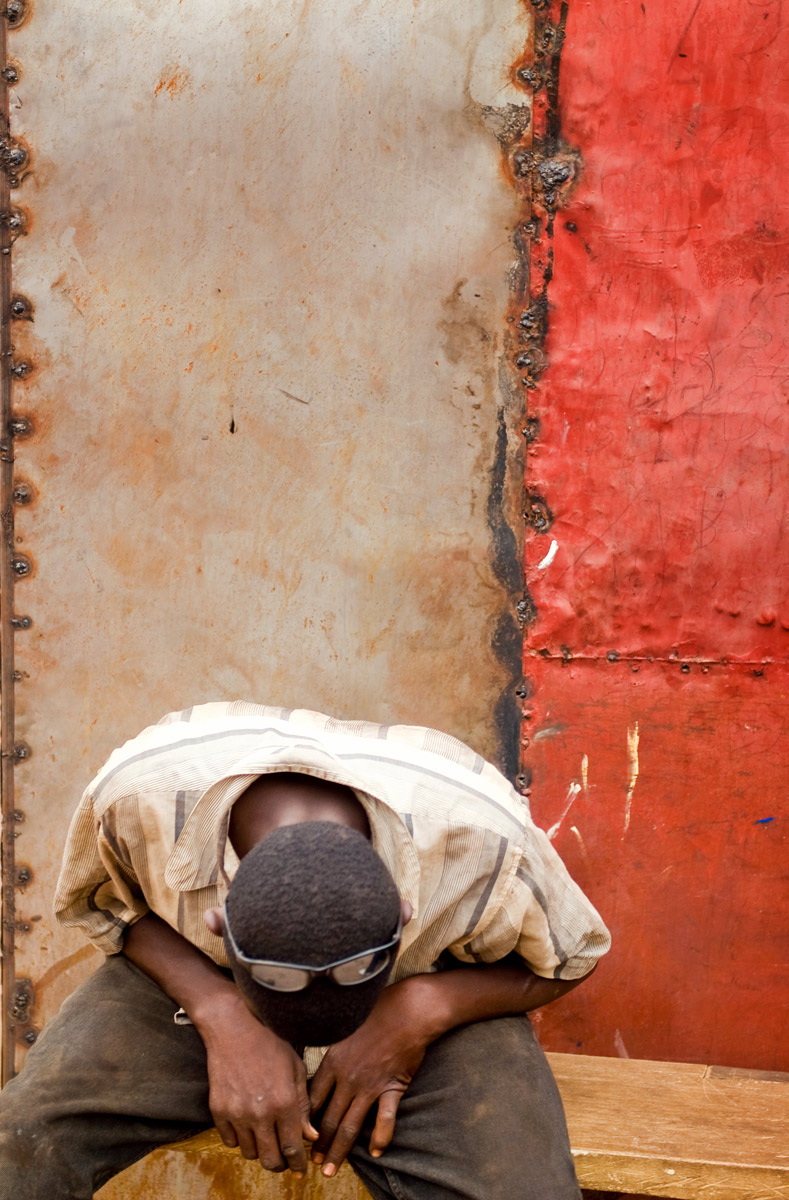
(318, 860)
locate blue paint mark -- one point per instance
(764, 821)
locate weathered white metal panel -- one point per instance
(268, 251)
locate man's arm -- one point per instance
(380, 1059)
(258, 1084)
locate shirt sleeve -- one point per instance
(97, 891)
(544, 917)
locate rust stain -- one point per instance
(64, 965)
(173, 85)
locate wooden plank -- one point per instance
(205, 1167)
(676, 1129)
(679, 1130)
(631, 1175)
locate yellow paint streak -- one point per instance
(632, 754)
(585, 772)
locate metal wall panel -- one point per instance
(267, 255)
(658, 565)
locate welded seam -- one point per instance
(670, 660)
(542, 171)
(7, 731)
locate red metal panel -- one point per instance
(660, 480)
(661, 792)
(664, 413)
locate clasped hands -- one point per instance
(261, 1101)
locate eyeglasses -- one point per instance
(289, 977)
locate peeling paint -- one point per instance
(572, 794)
(632, 757)
(549, 557)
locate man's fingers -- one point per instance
(320, 1087)
(329, 1124)
(388, 1104)
(290, 1143)
(308, 1130)
(348, 1131)
(268, 1148)
(247, 1143)
(227, 1133)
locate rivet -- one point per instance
(22, 622)
(554, 171)
(19, 816)
(31, 1037)
(15, 11)
(524, 780)
(23, 876)
(21, 369)
(23, 492)
(22, 751)
(21, 308)
(12, 155)
(526, 610)
(685, 668)
(21, 565)
(10, 74)
(20, 427)
(538, 514)
(531, 430)
(613, 655)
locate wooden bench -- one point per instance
(640, 1128)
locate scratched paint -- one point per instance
(658, 648)
(632, 773)
(271, 450)
(664, 416)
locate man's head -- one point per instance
(311, 894)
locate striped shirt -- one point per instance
(151, 833)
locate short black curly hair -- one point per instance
(311, 894)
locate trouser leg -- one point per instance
(110, 1078)
(482, 1120)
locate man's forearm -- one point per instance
(448, 999)
(187, 975)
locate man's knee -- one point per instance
(35, 1157)
(482, 1119)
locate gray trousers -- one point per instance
(112, 1077)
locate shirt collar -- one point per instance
(203, 855)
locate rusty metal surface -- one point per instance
(657, 561)
(203, 1169)
(266, 255)
(668, 385)
(662, 792)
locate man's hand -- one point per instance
(258, 1084)
(376, 1063)
(379, 1061)
(258, 1092)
